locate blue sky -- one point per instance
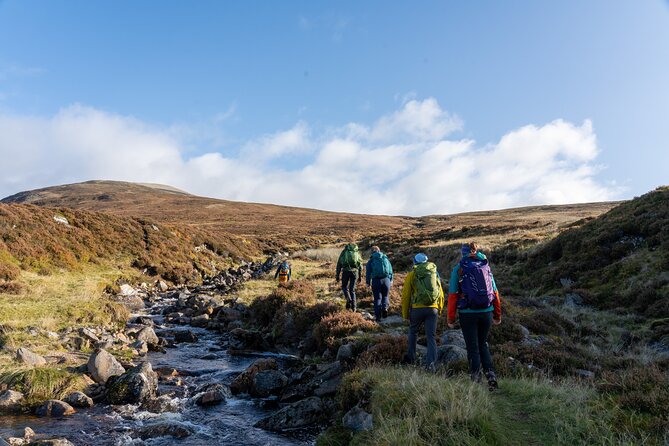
(241, 100)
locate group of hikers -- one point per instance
(472, 297)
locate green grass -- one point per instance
(411, 407)
(42, 383)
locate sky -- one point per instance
(402, 108)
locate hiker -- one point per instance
(379, 274)
(472, 292)
(422, 302)
(349, 268)
(283, 272)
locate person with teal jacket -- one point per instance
(379, 274)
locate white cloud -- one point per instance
(405, 163)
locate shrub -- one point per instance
(335, 326)
(386, 349)
(547, 322)
(642, 389)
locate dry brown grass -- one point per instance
(333, 328)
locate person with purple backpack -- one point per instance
(473, 295)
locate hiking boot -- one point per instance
(348, 305)
(384, 313)
(476, 377)
(492, 380)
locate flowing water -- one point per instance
(230, 423)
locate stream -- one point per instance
(229, 423)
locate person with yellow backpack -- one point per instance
(283, 272)
(422, 303)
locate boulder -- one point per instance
(27, 357)
(241, 339)
(10, 401)
(573, 300)
(450, 353)
(268, 382)
(51, 442)
(200, 321)
(453, 337)
(141, 347)
(54, 408)
(88, 334)
(102, 365)
(127, 290)
(134, 386)
(161, 404)
(345, 352)
(211, 395)
(143, 320)
(79, 399)
(358, 420)
(162, 286)
(392, 321)
(244, 381)
(147, 335)
(185, 336)
(302, 413)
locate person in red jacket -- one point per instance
(473, 294)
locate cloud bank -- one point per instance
(406, 163)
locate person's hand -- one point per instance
(496, 321)
(451, 325)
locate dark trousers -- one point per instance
(348, 282)
(418, 317)
(475, 329)
(380, 289)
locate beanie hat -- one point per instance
(466, 250)
(419, 258)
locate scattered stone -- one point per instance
(573, 300)
(51, 442)
(87, 333)
(392, 321)
(54, 408)
(79, 399)
(585, 374)
(127, 290)
(200, 321)
(268, 382)
(147, 335)
(358, 420)
(143, 320)
(10, 401)
(241, 339)
(27, 357)
(102, 365)
(296, 415)
(345, 352)
(141, 347)
(134, 386)
(453, 337)
(161, 404)
(186, 336)
(244, 381)
(162, 286)
(62, 220)
(566, 282)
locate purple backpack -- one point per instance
(476, 284)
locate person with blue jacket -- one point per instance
(379, 274)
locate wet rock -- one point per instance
(244, 381)
(268, 382)
(10, 401)
(147, 335)
(163, 430)
(296, 415)
(200, 321)
(27, 357)
(186, 336)
(161, 404)
(51, 442)
(345, 352)
(134, 386)
(453, 337)
(102, 365)
(79, 399)
(143, 320)
(358, 420)
(450, 353)
(241, 339)
(54, 408)
(211, 395)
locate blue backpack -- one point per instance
(380, 266)
(476, 284)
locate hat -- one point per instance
(419, 258)
(466, 250)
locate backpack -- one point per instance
(380, 266)
(426, 284)
(350, 259)
(476, 284)
(284, 268)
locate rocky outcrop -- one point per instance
(134, 386)
(102, 365)
(54, 408)
(296, 415)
